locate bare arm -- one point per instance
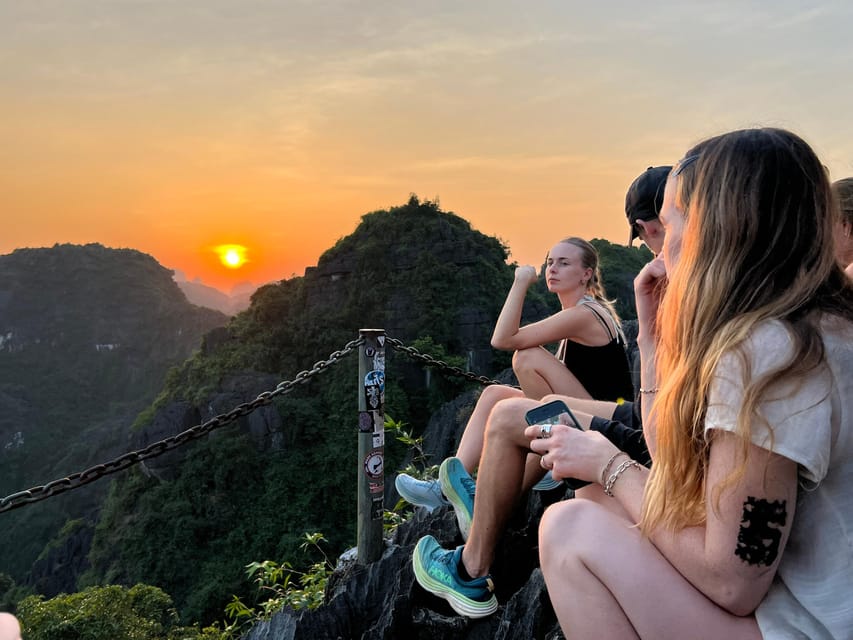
(648, 291)
(576, 322)
(733, 557)
(509, 321)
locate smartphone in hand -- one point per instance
(556, 412)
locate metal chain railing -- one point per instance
(160, 447)
(439, 364)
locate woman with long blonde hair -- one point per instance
(742, 527)
(591, 361)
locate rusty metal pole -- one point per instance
(371, 444)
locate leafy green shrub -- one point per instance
(280, 585)
(141, 612)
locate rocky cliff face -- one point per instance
(87, 334)
(383, 601)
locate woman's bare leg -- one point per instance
(540, 373)
(533, 471)
(606, 580)
(471, 444)
(499, 482)
(595, 493)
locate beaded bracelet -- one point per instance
(608, 488)
(606, 468)
(652, 390)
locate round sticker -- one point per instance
(374, 464)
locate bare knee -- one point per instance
(494, 393)
(525, 360)
(567, 529)
(507, 417)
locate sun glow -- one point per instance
(232, 256)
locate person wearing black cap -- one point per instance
(642, 206)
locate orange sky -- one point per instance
(175, 127)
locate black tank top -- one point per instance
(603, 371)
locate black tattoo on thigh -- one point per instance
(761, 531)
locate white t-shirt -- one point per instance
(812, 424)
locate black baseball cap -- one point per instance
(645, 197)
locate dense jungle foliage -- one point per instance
(415, 270)
(87, 334)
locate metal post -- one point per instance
(371, 444)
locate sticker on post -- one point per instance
(376, 509)
(375, 378)
(374, 464)
(378, 439)
(378, 422)
(366, 422)
(379, 361)
(374, 389)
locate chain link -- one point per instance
(439, 364)
(160, 447)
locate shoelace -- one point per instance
(469, 485)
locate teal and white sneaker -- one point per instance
(547, 483)
(421, 493)
(437, 571)
(458, 487)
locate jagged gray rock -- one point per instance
(383, 601)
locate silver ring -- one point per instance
(545, 431)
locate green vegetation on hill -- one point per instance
(107, 613)
(88, 334)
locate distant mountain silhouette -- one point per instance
(205, 296)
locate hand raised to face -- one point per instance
(526, 275)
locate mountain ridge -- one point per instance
(88, 335)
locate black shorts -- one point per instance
(625, 430)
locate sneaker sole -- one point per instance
(460, 604)
(547, 486)
(463, 518)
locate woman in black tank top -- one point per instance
(591, 361)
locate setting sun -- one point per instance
(232, 256)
